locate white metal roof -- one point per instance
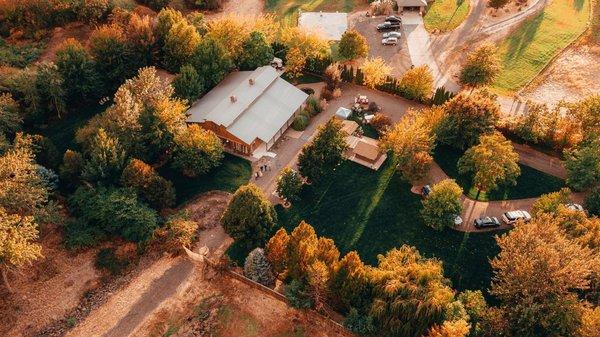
(330, 26)
(259, 110)
(411, 3)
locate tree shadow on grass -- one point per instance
(521, 39)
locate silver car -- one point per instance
(511, 217)
(392, 34)
(389, 41)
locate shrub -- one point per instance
(107, 259)
(179, 230)
(359, 324)
(441, 96)
(156, 5)
(308, 91)
(592, 202)
(312, 106)
(337, 93)
(258, 269)
(113, 211)
(381, 123)
(298, 294)
(93, 11)
(78, 234)
(70, 169)
(153, 188)
(300, 122)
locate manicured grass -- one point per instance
(445, 15)
(287, 10)
(373, 212)
(231, 174)
(531, 183)
(526, 51)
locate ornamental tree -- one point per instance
(375, 71)
(105, 159)
(258, 269)
(249, 217)
(492, 162)
(18, 247)
(482, 66)
(353, 45)
(417, 83)
(324, 153)
(180, 43)
(443, 204)
(289, 184)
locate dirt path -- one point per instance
(131, 306)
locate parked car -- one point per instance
(388, 26)
(392, 34)
(425, 190)
(511, 217)
(361, 99)
(390, 41)
(393, 18)
(574, 207)
(486, 222)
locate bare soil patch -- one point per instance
(571, 77)
(492, 15)
(223, 306)
(396, 56)
(75, 30)
(246, 8)
(49, 289)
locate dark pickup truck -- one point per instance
(388, 26)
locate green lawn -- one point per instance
(373, 212)
(526, 51)
(531, 183)
(445, 15)
(231, 174)
(287, 10)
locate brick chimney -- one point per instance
(233, 98)
(251, 81)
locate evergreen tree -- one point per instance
(256, 52)
(258, 269)
(188, 84)
(211, 62)
(324, 153)
(105, 160)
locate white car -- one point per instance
(389, 41)
(511, 217)
(392, 34)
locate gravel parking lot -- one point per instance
(396, 56)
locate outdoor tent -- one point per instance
(343, 113)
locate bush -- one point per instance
(179, 230)
(300, 122)
(78, 234)
(312, 106)
(258, 269)
(308, 91)
(156, 5)
(592, 202)
(359, 324)
(149, 185)
(113, 211)
(298, 294)
(93, 11)
(107, 259)
(441, 96)
(381, 123)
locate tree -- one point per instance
(412, 141)
(333, 76)
(353, 45)
(324, 153)
(533, 125)
(105, 160)
(17, 242)
(166, 18)
(468, 117)
(592, 202)
(294, 63)
(349, 284)
(276, 250)
(289, 184)
(180, 43)
(49, 85)
(458, 328)
(93, 11)
(211, 61)
(188, 84)
(536, 276)
(417, 83)
(22, 188)
(588, 112)
(141, 40)
(71, 167)
(115, 211)
(477, 309)
(375, 72)
(256, 52)
(583, 165)
(179, 230)
(249, 217)
(410, 293)
(550, 202)
(258, 269)
(196, 151)
(149, 185)
(443, 204)
(482, 66)
(108, 48)
(78, 72)
(10, 118)
(492, 162)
